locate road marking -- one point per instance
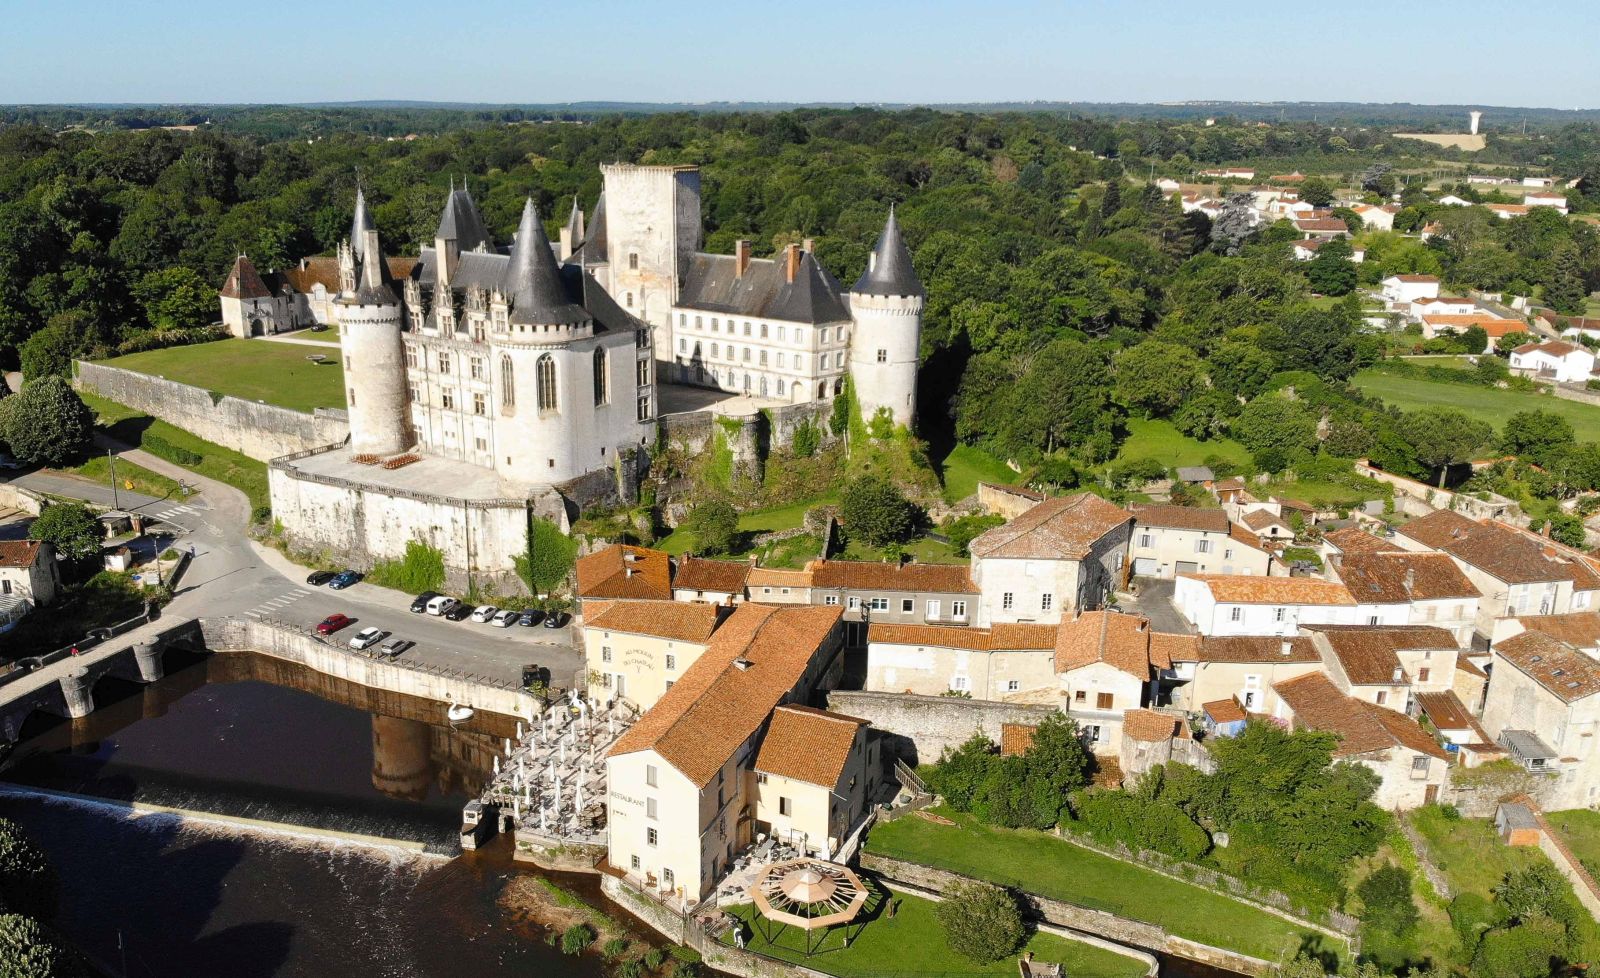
(253, 614)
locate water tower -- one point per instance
(1473, 128)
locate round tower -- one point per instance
(374, 359)
(886, 305)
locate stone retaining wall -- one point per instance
(921, 727)
(18, 498)
(261, 431)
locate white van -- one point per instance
(441, 604)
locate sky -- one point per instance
(934, 51)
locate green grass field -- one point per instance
(966, 466)
(913, 942)
(1485, 404)
(255, 370)
(1469, 851)
(1580, 829)
(1043, 864)
(130, 426)
(759, 521)
(1166, 444)
(98, 469)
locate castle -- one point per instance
(487, 384)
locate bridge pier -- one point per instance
(77, 688)
(148, 656)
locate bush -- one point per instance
(1386, 901)
(47, 424)
(961, 532)
(159, 446)
(1527, 950)
(1470, 916)
(575, 938)
(981, 922)
(630, 969)
(420, 569)
(261, 514)
(807, 439)
(614, 947)
(1165, 828)
(715, 525)
(654, 958)
(549, 558)
(28, 950)
(875, 511)
(27, 883)
(70, 528)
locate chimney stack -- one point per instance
(741, 257)
(809, 246)
(791, 263)
(1411, 579)
(1285, 647)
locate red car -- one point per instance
(332, 623)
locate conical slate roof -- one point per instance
(360, 222)
(594, 246)
(889, 270)
(532, 280)
(373, 282)
(575, 224)
(244, 282)
(462, 223)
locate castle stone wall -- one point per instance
(921, 727)
(261, 431)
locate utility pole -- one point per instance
(112, 461)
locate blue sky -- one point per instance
(1429, 51)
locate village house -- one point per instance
(1494, 327)
(814, 777)
(1063, 555)
(635, 650)
(1442, 305)
(1386, 664)
(29, 579)
(714, 581)
(1402, 290)
(1544, 709)
(1235, 605)
(1007, 662)
(877, 591)
(1322, 227)
(1266, 525)
(1377, 218)
(1172, 540)
(1405, 588)
(1557, 360)
(1451, 200)
(1109, 663)
(778, 586)
(1240, 669)
(1572, 327)
(626, 573)
(1542, 199)
(1228, 173)
(1507, 211)
(682, 781)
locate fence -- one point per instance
(94, 638)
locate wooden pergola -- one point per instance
(811, 894)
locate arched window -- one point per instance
(545, 374)
(600, 392)
(822, 389)
(838, 387)
(508, 387)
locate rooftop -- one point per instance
(1000, 638)
(1148, 726)
(19, 553)
(1249, 589)
(1119, 640)
(622, 571)
(871, 575)
(1362, 727)
(1558, 667)
(808, 745)
(684, 621)
(1066, 527)
(1369, 653)
(1579, 629)
(1181, 518)
(1403, 577)
(1255, 648)
(1500, 551)
(721, 576)
(424, 477)
(1353, 540)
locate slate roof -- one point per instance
(533, 281)
(699, 574)
(808, 745)
(1362, 727)
(1063, 528)
(999, 638)
(763, 291)
(462, 223)
(1181, 518)
(1558, 667)
(889, 270)
(360, 222)
(682, 621)
(872, 575)
(717, 705)
(244, 282)
(604, 573)
(1369, 653)
(1402, 577)
(374, 286)
(594, 251)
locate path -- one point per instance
(330, 344)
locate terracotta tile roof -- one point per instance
(1256, 648)
(1261, 520)
(1553, 664)
(1368, 653)
(1509, 208)
(1580, 629)
(1224, 711)
(1248, 589)
(323, 270)
(1169, 647)
(1181, 518)
(698, 574)
(1354, 540)
(1321, 224)
(1447, 712)
(1015, 739)
(1500, 551)
(777, 577)
(1149, 726)
(19, 553)
(244, 282)
(1119, 640)
(621, 571)
(684, 621)
(1362, 728)
(1403, 577)
(1239, 534)
(1000, 638)
(1471, 668)
(808, 745)
(1415, 278)
(1555, 348)
(870, 575)
(1063, 528)
(717, 705)
(1231, 484)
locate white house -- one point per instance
(1442, 305)
(1377, 218)
(1172, 540)
(1555, 360)
(1402, 290)
(1307, 248)
(1453, 201)
(1538, 182)
(1062, 555)
(1558, 201)
(1219, 604)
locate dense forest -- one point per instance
(1066, 293)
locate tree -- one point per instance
(1475, 339)
(1275, 430)
(1156, 377)
(715, 525)
(1240, 368)
(1378, 179)
(1564, 289)
(1510, 341)
(875, 510)
(1386, 901)
(1316, 191)
(1054, 765)
(1442, 437)
(49, 352)
(1564, 528)
(959, 773)
(70, 528)
(1332, 271)
(1538, 435)
(1064, 401)
(981, 922)
(1234, 224)
(1531, 949)
(28, 950)
(176, 298)
(48, 423)
(27, 882)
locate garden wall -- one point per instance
(920, 727)
(261, 431)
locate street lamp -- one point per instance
(112, 461)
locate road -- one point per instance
(233, 575)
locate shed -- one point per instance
(1195, 473)
(1517, 824)
(1528, 750)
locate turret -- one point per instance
(572, 233)
(374, 357)
(886, 304)
(360, 224)
(461, 228)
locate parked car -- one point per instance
(457, 611)
(557, 619)
(419, 604)
(443, 604)
(344, 579)
(505, 618)
(367, 637)
(394, 647)
(333, 623)
(484, 613)
(10, 464)
(319, 578)
(531, 617)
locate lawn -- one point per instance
(760, 521)
(1163, 442)
(966, 466)
(1483, 403)
(129, 427)
(1452, 361)
(98, 470)
(913, 942)
(925, 550)
(1043, 864)
(1580, 829)
(255, 370)
(1468, 850)
(1331, 494)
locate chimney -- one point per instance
(1411, 579)
(742, 664)
(809, 246)
(1141, 624)
(1399, 674)
(741, 257)
(1285, 647)
(791, 263)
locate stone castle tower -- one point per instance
(886, 304)
(374, 354)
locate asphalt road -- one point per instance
(232, 576)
